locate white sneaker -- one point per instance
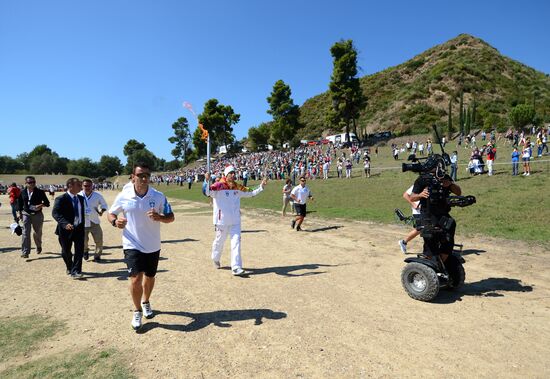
(136, 320)
(238, 272)
(403, 246)
(147, 310)
(528, 174)
(217, 264)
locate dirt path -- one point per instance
(326, 302)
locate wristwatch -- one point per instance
(114, 222)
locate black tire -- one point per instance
(420, 281)
(457, 275)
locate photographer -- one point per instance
(432, 189)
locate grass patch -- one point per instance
(19, 335)
(507, 207)
(98, 364)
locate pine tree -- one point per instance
(461, 113)
(450, 129)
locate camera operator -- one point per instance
(433, 189)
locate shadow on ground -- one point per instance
(289, 270)
(220, 319)
(491, 287)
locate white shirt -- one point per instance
(415, 211)
(227, 205)
(301, 193)
(92, 205)
(141, 233)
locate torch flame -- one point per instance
(204, 135)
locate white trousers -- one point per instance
(490, 166)
(234, 232)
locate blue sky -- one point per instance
(84, 77)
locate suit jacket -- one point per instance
(63, 213)
(38, 197)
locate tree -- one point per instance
(83, 167)
(218, 119)
(344, 89)
(258, 136)
(284, 112)
(450, 128)
(181, 138)
(136, 152)
(461, 114)
(9, 165)
(109, 166)
(522, 115)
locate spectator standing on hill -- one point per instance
(454, 165)
(143, 208)
(491, 156)
(30, 203)
(339, 169)
(95, 205)
(13, 193)
(226, 195)
(366, 166)
(300, 194)
(349, 166)
(189, 182)
(526, 154)
(515, 161)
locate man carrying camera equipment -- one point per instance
(433, 188)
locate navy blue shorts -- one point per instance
(300, 209)
(137, 262)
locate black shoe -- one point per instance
(97, 258)
(293, 224)
(24, 255)
(298, 229)
(86, 256)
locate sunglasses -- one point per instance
(143, 176)
(33, 182)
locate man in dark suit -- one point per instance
(30, 202)
(68, 211)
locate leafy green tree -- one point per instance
(109, 166)
(461, 114)
(450, 128)
(522, 115)
(344, 88)
(181, 138)
(218, 119)
(9, 165)
(285, 113)
(83, 167)
(136, 152)
(258, 136)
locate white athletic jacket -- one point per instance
(227, 204)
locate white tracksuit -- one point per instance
(227, 220)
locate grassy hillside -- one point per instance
(409, 97)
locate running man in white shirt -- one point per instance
(141, 209)
(226, 195)
(300, 194)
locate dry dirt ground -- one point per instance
(326, 302)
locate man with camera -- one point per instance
(433, 188)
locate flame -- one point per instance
(204, 135)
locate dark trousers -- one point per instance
(66, 240)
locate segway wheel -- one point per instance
(420, 281)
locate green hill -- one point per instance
(408, 98)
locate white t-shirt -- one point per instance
(415, 211)
(92, 204)
(141, 233)
(301, 193)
